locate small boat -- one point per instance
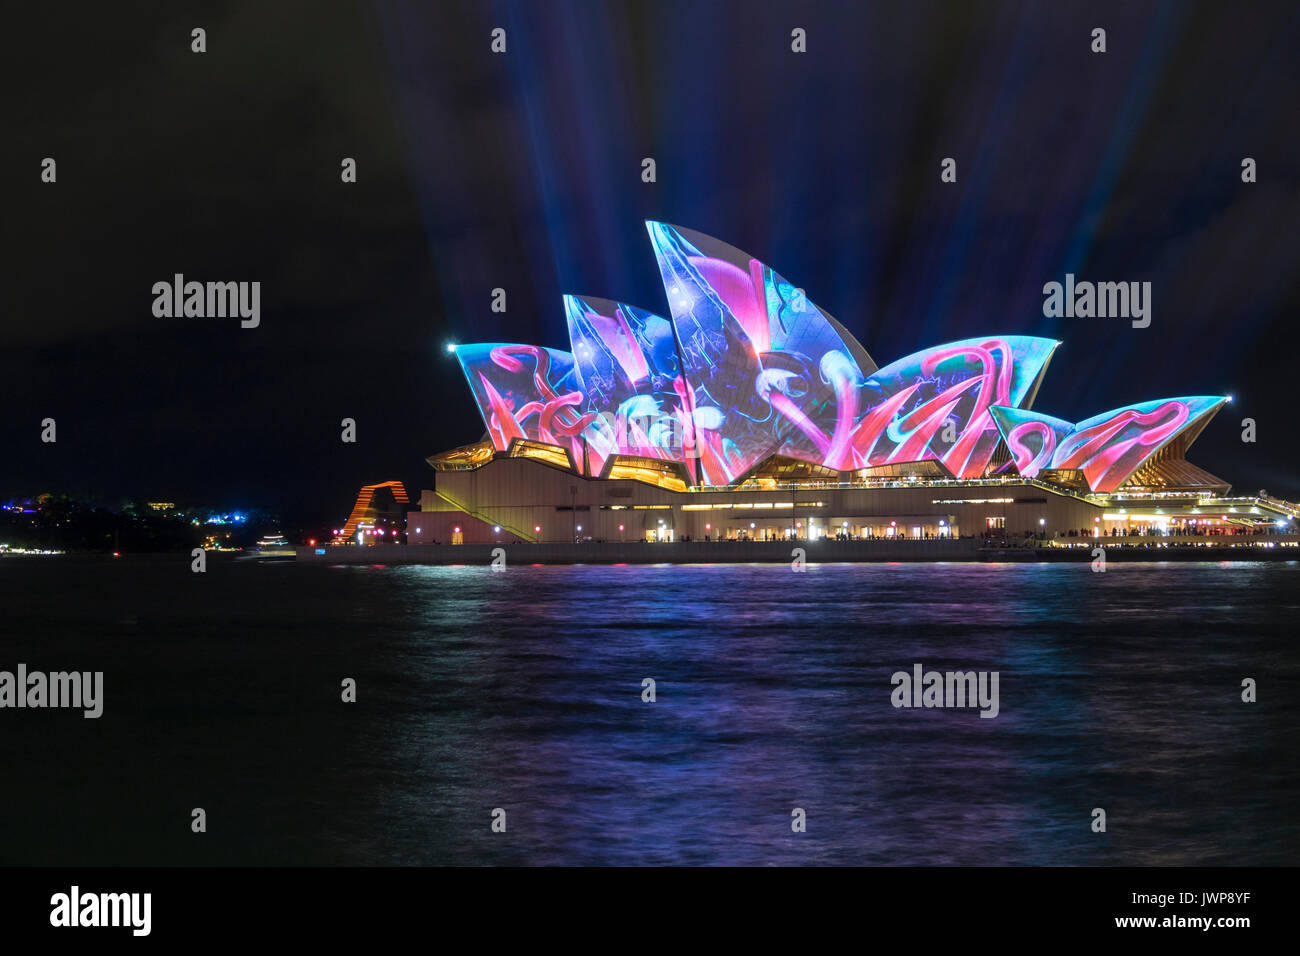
(273, 547)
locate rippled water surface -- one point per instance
(523, 690)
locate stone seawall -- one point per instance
(781, 552)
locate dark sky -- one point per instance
(522, 171)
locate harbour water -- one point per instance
(523, 690)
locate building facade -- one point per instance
(751, 414)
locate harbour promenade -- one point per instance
(1232, 548)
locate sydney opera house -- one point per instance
(750, 413)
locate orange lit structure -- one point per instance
(365, 510)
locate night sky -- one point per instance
(523, 171)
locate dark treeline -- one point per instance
(57, 523)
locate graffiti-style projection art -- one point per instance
(1031, 438)
(526, 392)
(746, 367)
(934, 405)
(626, 362)
(768, 372)
(1108, 447)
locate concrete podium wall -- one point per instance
(1213, 548)
(681, 552)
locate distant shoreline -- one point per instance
(964, 550)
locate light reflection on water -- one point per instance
(522, 690)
